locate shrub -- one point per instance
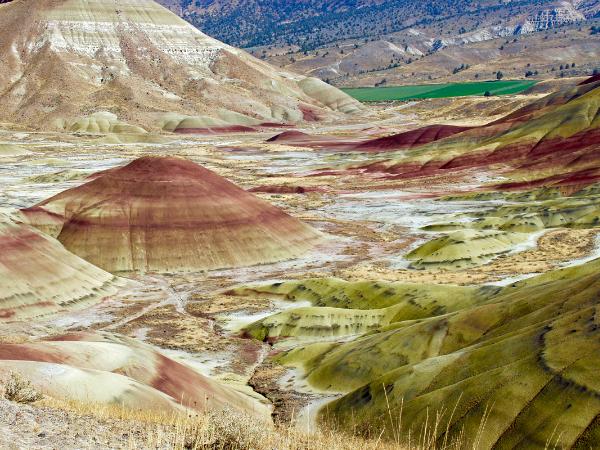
(20, 390)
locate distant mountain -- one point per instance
(362, 42)
(310, 23)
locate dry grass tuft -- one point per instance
(18, 389)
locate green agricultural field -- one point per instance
(391, 93)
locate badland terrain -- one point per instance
(201, 249)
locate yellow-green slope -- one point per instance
(343, 308)
(530, 358)
(522, 360)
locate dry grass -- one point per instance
(232, 430)
(220, 430)
(430, 435)
(226, 429)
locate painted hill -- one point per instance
(39, 277)
(464, 248)
(164, 214)
(340, 308)
(397, 141)
(479, 236)
(511, 367)
(62, 61)
(103, 368)
(531, 350)
(410, 139)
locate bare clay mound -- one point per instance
(64, 61)
(163, 214)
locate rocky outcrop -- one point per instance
(550, 18)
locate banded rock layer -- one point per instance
(162, 214)
(111, 369)
(39, 277)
